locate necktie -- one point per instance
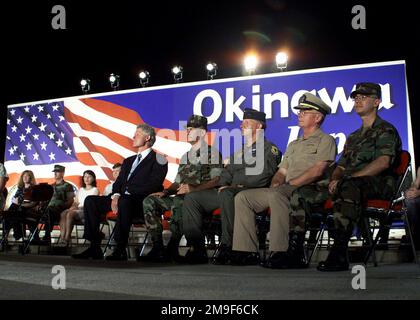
(134, 166)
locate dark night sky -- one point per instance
(123, 36)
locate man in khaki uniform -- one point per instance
(305, 161)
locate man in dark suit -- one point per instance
(140, 175)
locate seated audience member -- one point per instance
(304, 164)
(61, 200)
(252, 166)
(116, 169)
(75, 213)
(141, 175)
(364, 171)
(21, 203)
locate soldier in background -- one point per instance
(365, 170)
(304, 164)
(199, 169)
(257, 152)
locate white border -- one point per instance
(235, 79)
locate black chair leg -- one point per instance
(372, 242)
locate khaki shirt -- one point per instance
(302, 154)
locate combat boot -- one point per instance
(156, 254)
(296, 251)
(337, 259)
(172, 251)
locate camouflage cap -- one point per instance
(254, 114)
(58, 168)
(367, 89)
(309, 101)
(196, 121)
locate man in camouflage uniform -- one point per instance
(199, 169)
(257, 153)
(61, 200)
(305, 162)
(365, 170)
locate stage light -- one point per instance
(281, 61)
(114, 80)
(144, 77)
(250, 64)
(211, 70)
(177, 71)
(85, 84)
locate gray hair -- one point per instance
(150, 131)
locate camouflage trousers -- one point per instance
(347, 200)
(304, 202)
(352, 192)
(153, 208)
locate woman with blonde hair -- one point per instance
(75, 213)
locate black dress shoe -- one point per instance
(117, 255)
(223, 255)
(94, 253)
(243, 258)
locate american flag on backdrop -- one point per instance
(80, 134)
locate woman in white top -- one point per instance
(75, 213)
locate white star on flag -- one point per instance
(28, 130)
(26, 109)
(36, 136)
(43, 146)
(12, 112)
(36, 156)
(48, 116)
(34, 118)
(8, 121)
(51, 135)
(55, 107)
(52, 156)
(61, 118)
(22, 137)
(42, 127)
(68, 151)
(29, 146)
(59, 143)
(12, 151)
(19, 120)
(40, 108)
(14, 128)
(22, 157)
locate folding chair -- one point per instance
(387, 211)
(41, 193)
(137, 221)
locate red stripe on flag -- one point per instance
(114, 110)
(90, 126)
(109, 155)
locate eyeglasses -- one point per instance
(362, 97)
(304, 112)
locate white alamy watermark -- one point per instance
(359, 20)
(59, 280)
(359, 280)
(59, 20)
